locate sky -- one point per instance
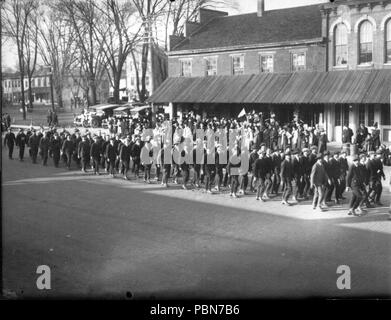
(245, 6)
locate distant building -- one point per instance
(330, 63)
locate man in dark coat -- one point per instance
(83, 152)
(375, 173)
(111, 156)
(124, 156)
(355, 182)
(34, 145)
(287, 177)
(343, 167)
(9, 140)
(67, 149)
(95, 154)
(318, 181)
(44, 145)
(298, 173)
(261, 169)
(335, 172)
(55, 149)
(21, 140)
(135, 153)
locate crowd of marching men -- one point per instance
(299, 170)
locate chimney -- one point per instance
(261, 8)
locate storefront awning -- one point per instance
(369, 86)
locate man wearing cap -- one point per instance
(83, 152)
(124, 156)
(298, 173)
(67, 149)
(9, 140)
(111, 156)
(44, 145)
(95, 153)
(276, 169)
(355, 182)
(261, 169)
(135, 154)
(34, 145)
(146, 157)
(318, 181)
(343, 167)
(334, 176)
(375, 168)
(287, 177)
(55, 149)
(307, 168)
(365, 177)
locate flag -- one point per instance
(242, 113)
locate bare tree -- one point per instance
(149, 12)
(57, 47)
(83, 16)
(114, 30)
(31, 50)
(16, 16)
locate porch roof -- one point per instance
(355, 86)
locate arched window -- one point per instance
(388, 40)
(340, 45)
(365, 42)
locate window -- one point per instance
(365, 42)
(44, 82)
(371, 115)
(298, 61)
(340, 45)
(211, 66)
(267, 63)
(39, 82)
(388, 41)
(18, 83)
(361, 114)
(186, 68)
(237, 64)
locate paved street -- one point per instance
(104, 237)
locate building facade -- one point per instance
(328, 63)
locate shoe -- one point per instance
(209, 191)
(241, 192)
(319, 209)
(336, 201)
(266, 197)
(283, 202)
(149, 181)
(351, 212)
(231, 194)
(235, 196)
(313, 208)
(166, 185)
(325, 205)
(185, 188)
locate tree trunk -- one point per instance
(117, 80)
(92, 93)
(30, 93)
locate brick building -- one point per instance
(329, 63)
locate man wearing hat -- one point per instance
(287, 177)
(318, 181)
(329, 185)
(334, 176)
(355, 182)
